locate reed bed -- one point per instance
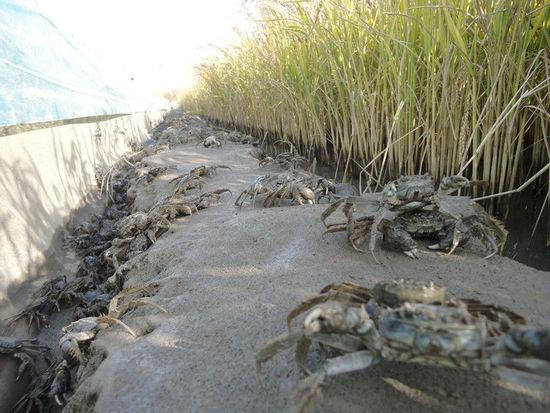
(392, 87)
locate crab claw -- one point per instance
(457, 237)
(489, 240)
(412, 254)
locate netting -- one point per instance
(44, 77)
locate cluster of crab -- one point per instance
(412, 208)
(415, 322)
(56, 381)
(105, 243)
(181, 128)
(295, 185)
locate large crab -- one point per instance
(25, 350)
(412, 208)
(413, 322)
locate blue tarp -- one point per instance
(44, 77)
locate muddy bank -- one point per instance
(228, 277)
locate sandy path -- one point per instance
(228, 277)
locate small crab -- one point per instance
(94, 303)
(193, 179)
(212, 141)
(61, 383)
(413, 322)
(150, 174)
(52, 384)
(289, 186)
(85, 329)
(151, 224)
(52, 296)
(25, 350)
(118, 251)
(258, 187)
(325, 188)
(207, 198)
(295, 186)
(285, 160)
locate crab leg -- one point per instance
(533, 382)
(331, 210)
(308, 391)
(489, 240)
(275, 346)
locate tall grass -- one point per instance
(394, 87)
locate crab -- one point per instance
(52, 296)
(290, 186)
(259, 186)
(84, 330)
(25, 350)
(54, 383)
(94, 303)
(325, 188)
(149, 175)
(118, 251)
(212, 141)
(205, 199)
(151, 224)
(285, 160)
(297, 186)
(412, 208)
(409, 321)
(192, 180)
(174, 206)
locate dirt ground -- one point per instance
(228, 277)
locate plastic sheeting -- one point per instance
(44, 77)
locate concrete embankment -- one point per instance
(44, 175)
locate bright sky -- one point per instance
(155, 42)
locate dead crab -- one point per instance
(409, 322)
(23, 349)
(85, 329)
(412, 208)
